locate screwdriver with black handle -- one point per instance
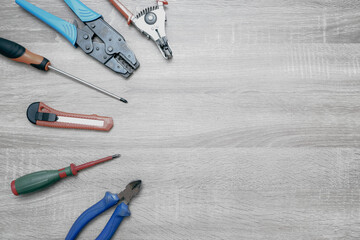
(18, 53)
(38, 180)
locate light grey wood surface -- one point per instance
(250, 132)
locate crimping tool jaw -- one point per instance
(112, 51)
(151, 22)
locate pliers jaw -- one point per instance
(151, 22)
(130, 191)
(164, 47)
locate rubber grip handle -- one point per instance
(66, 29)
(18, 53)
(11, 49)
(107, 202)
(82, 11)
(34, 181)
(124, 11)
(120, 212)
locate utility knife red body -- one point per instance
(40, 114)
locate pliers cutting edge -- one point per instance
(150, 22)
(107, 202)
(113, 51)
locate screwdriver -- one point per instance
(18, 53)
(42, 179)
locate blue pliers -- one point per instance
(104, 204)
(113, 51)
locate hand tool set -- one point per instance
(109, 200)
(18, 53)
(40, 114)
(113, 51)
(102, 42)
(38, 180)
(150, 22)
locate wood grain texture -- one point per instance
(252, 131)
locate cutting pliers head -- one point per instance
(130, 191)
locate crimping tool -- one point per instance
(113, 51)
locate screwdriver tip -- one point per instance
(116, 156)
(123, 100)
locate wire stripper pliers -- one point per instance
(113, 51)
(150, 22)
(104, 204)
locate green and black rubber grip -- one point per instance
(18, 53)
(38, 180)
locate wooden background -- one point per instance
(250, 132)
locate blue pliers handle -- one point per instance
(65, 28)
(104, 204)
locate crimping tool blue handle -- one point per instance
(82, 11)
(66, 29)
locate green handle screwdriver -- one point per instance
(42, 179)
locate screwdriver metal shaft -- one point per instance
(18, 53)
(88, 84)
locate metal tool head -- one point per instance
(151, 22)
(130, 191)
(112, 51)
